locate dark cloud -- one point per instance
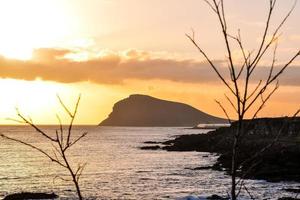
(50, 64)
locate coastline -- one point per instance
(278, 163)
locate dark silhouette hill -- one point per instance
(143, 110)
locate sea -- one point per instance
(116, 167)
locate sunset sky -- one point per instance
(109, 49)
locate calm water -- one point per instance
(117, 168)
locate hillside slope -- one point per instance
(143, 110)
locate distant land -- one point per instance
(142, 110)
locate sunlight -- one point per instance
(30, 24)
(34, 98)
(38, 100)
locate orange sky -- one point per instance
(109, 49)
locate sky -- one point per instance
(106, 50)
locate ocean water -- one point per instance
(117, 168)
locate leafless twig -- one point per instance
(60, 144)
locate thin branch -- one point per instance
(272, 79)
(25, 120)
(64, 106)
(80, 171)
(273, 62)
(211, 63)
(265, 31)
(248, 192)
(59, 147)
(273, 38)
(61, 130)
(246, 99)
(72, 116)
(210, 5)
(254, 91)
(231, 103)
(224, 110)
(34, 147)
(264, 101)
(59, 177)
(79, 138)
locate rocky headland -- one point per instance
(142, 110)
(280, 161)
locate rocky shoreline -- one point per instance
(280, 162)
(30, 195)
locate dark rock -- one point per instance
(151, 142)
(280, 162)
(29, 195)
(143, 110)
(202, 168)
(288, 198)
(156, 147)
(293, 190)
(217, 197)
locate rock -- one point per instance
(156, 147)
(292, 190)
(280, 162)
(191, 197)
(29, 195)
(151, 142)
(217, 197)
(202, 168)
(212, 197)
(143, 110)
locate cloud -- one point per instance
(115, 68)
(49, 54)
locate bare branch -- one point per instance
(211, 63)
(231, 103)
(273, 38)
(59, 177)
(269, 82)
(79, 171)
(79, 138)
(224, 110)
(248, 192)
(210, 5)
(244, 99)
(64, 106)
(34, 126)
(272, 4)
(34, 147)
(264, 101)
(59, 147)
(16, 120)
(72, 116)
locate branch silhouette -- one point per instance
(245, 100)
(60, 143)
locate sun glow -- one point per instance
(37, 100)
(30, 24)
(34, 98)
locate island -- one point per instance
(146, 111)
